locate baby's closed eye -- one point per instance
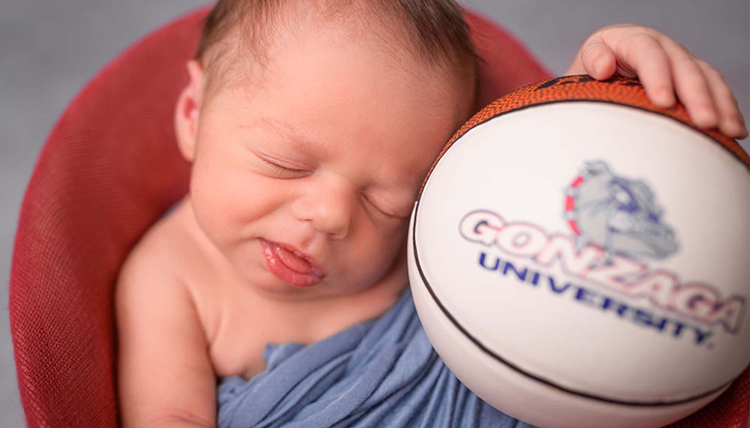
(282, 171)
(281, 168)
(389, 206)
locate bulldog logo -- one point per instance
(618, 214)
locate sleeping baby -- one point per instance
(310, 126)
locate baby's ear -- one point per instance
(187, 112)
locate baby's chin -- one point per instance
(327, 289)
(269, 286)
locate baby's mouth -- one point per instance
(294, 261)
(290, 265)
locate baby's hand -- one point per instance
(664, 67)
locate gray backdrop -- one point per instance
(49, 49)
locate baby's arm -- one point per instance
(664, 67)
(164, 371)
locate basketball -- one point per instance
(581, 258)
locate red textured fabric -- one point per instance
(730, 410)
(505, 63)
(108, 170)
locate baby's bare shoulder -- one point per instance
(151, 270)
(169, 270)
(166, 253)
(157, 274)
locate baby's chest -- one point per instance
(237, 354)
(245, 327)
(236, 347)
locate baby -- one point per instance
(310, 126)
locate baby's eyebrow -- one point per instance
(290, 131)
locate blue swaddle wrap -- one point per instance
(381, 373)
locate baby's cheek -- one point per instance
(225, 200)
(384, 246)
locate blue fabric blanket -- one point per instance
(382, 373)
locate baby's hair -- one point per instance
(435, 29)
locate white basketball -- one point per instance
(584, 263)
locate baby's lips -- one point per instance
(293, 261)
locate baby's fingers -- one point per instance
(730, 118)
(691, 85)
(647, 58)
(597, 59)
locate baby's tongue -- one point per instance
(293, 262)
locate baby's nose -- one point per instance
(329, 205)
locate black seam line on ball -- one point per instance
(523, 372)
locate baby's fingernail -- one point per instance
(743, 132)
(704, 118)
(734, 128)
(664, 97)
(598, 66)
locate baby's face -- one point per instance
(305, 180)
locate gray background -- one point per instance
(50, 49)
